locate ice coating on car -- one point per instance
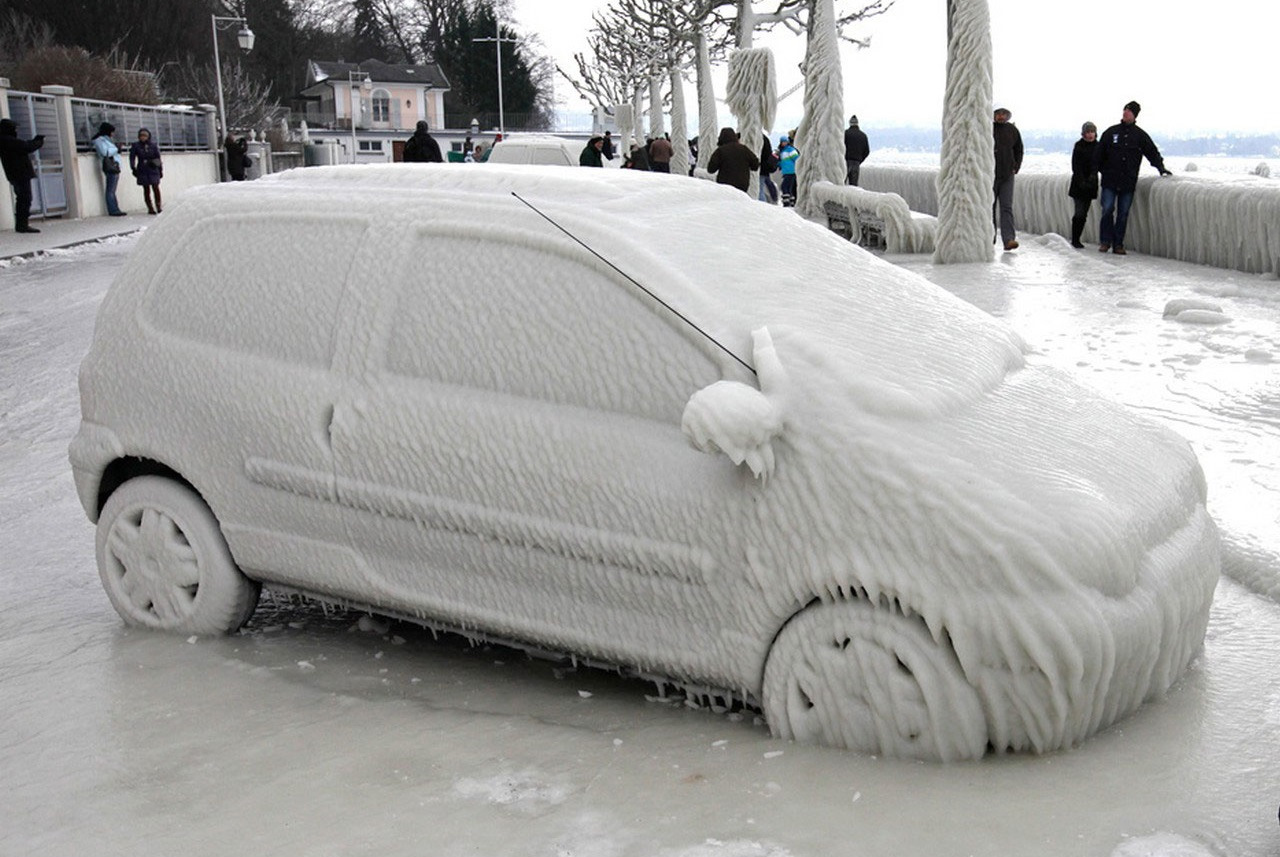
(487, 433)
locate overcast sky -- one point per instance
(1195, 69)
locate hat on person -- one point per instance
(1005, 110)
(853, 120)
(1133, 107)
(784, 139)
(1087, 127)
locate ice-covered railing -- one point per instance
(1228, 222)
(905, 231)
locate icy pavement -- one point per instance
(315, 734)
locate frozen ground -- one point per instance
(322, 734)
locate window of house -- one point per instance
(536, 323)
(276, 290)
(371, 145)
(381, 106)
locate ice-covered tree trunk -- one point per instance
(624, 116)
(637, 104)
(679, 126)
(967, 175)
(820, 137)
(657, 127)
(753, 97)
(708, 121)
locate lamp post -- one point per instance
(498, 40)
(365, 84)
(245, 38)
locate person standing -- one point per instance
(422, 148)
(732, 162)
(606, 147)
(787, 155)
(637, 159)
(1008, 142)
(237, 154)
(147, 168)
(768, 166)
(660, 154)
(1118, 158)
(856, 150)
(1084, 180)
(592, 153)
(109, 158)
(15, 156)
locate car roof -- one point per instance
(727, 262)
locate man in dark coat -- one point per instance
(1084, 180)
(422, 148)
(606, 148)
(856, 150)
(591, 153)
(732, 162)
(15, 156)
(1118, 158)
(1008, 143)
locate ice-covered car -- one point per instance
(536, 149)
(805, 477)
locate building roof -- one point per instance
(429, 75)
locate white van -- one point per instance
(538, 149)
(806, 477)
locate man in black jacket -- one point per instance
(732, 162)
(422, 147)
(1118, 158)
(15, 156)
(856, 149)
(1008, 143)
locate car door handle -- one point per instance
(325, 433)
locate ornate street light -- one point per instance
(245, 38)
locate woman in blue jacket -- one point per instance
(145, 164)
(109, 160)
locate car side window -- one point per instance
(268, 286)
(538, 324)
(553, 156)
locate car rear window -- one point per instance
(268, 286)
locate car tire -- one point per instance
(853, 675)
(165, 564)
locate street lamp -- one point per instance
(367, 85)
(245, 37)
(498, 40)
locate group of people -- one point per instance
(145, 164)
(654, 156)
(1105, 166)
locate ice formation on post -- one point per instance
(967, 173)
(656, 126)
(956, 547)
(679, 126)
(820, 136)
(752, 95)
(708, 122)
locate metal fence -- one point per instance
(173, 129)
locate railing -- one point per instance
(173, 129)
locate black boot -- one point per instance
(1077, 229)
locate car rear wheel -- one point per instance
(850, 674)
(165, 564)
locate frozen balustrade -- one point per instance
(1224, 221)
(904, 230)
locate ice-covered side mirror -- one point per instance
(736, 418)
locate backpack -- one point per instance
(771, 164)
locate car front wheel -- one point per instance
(165, 564)
(853, 675)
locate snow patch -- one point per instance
(525, 791)
(1173, 307)
(1258, 355)
(1201, 316)
(731, 848)
(1162, 845)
